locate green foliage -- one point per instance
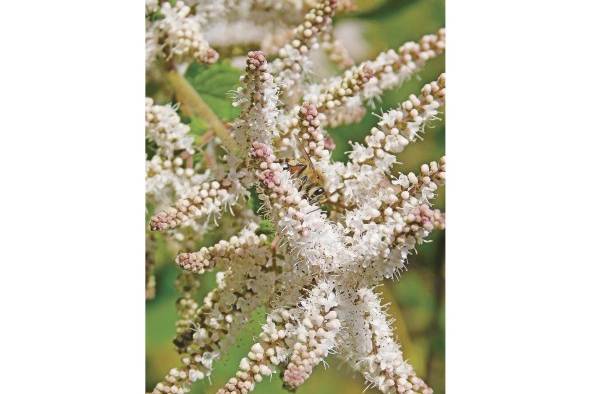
(198, 126)
(266, 227)
(384, 11)
(254, 201)
(215, 84)
(154, 16)
(150, 148)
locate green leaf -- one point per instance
(155, 16)
(151, 148)
(215, 84)
(198, 126)
(254, 202)
(384, 10)
(266, 227)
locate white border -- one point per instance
(518, 269)
(72, 82)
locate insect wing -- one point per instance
(296, 169)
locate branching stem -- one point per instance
(192, 101)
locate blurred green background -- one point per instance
(417, 298)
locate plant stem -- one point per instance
(194, 104)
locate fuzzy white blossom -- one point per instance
(365, 82)
(313, 237)
(170, 173)
(293, 62)
(369, 169)
(375, 353)
(176, 33)
(164, 127)
(206, 200)
(315, 335)
(258, 99)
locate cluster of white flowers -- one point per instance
(203, 201)
(336, 50)
(373, 351)
(319, 242)
(368, 171)
(305, 136)
(163, 126)
(391, 68)
(171, 175)
(189, 30)
(400, 126)
(248, 271)
(258, 99)
(316, 268)
(246, 245)
(270, 351)
(315, 336)
(339, 96)
(170, 172)
(293, 61)
(174, 32)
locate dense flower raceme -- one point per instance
(190, 30)
(173, 32)
(337, 229)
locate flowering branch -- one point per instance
(336, 50)
(317, 241)
(268, 352)
(369, 168)
(173, 32)
(245, 246)
(204, 333)
(315, 336)
(378, 357)
(293, 61)
(400, 126)
(204, 200)
(369, 79)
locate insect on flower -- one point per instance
(310, 144)
(307, 177)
